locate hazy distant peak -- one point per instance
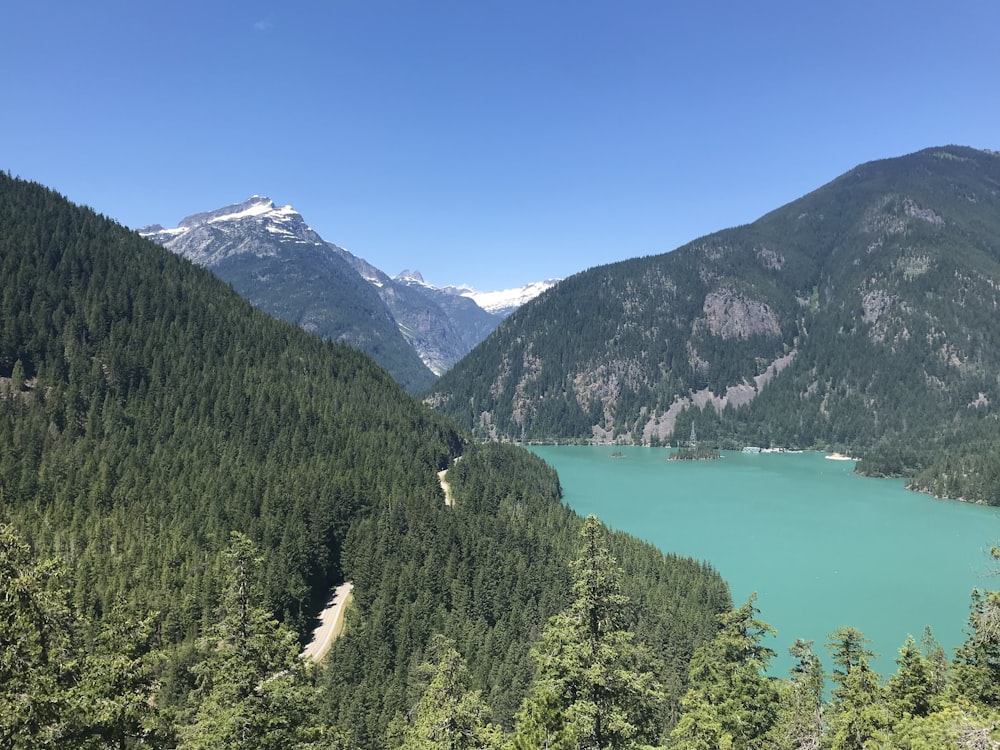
(408, 275)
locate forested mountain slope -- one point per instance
(860, 317)
(487, 573)
(147, 412)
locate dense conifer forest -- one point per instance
(148, 415)
(487, 574)
(594, 683)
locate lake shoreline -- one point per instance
(822, 545)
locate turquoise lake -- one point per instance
(821, 546)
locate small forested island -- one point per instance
(694, 451)
(700, 453)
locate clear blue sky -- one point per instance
(489, 142)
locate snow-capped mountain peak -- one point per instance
(502, 302)
(256, 226)
(254, 206)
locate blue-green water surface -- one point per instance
(821, 546)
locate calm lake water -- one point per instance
(821, 546)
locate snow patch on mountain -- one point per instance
(505, 301)
(158, 230)
(501, 302)
(257, 206)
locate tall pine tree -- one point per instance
(858, 715)
(731, 703)
(594, 687)
(450, 715)
(37, 658)
(254, 692)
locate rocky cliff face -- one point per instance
(730, 315)
(441, 327)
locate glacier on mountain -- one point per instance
(506, 301)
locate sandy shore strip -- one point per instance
(331, 623)
(839, 457)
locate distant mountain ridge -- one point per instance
(501, 302)
(861, 317)
(274, 259)
(277, 261)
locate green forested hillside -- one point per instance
(176, 468)
(860, 317)
(487, 573)
(317, 290)
(149, 411)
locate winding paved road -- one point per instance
(331, 618)
(331, 623)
